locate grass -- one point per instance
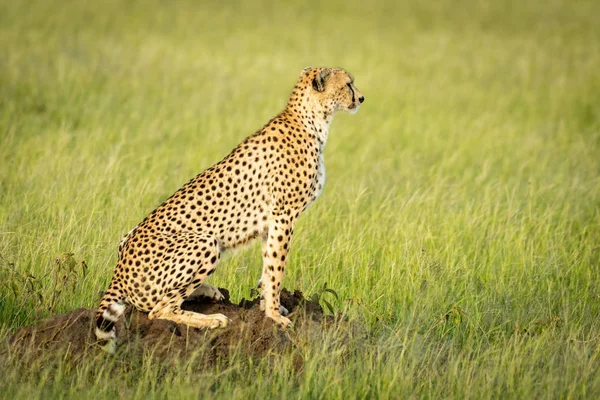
(460, 221)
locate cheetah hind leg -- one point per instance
(206, 291)
(169, 308)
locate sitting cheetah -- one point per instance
(258, 190)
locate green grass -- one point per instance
(460, 221)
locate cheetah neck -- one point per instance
(315, 121)
(320, 129)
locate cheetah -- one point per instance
(258, 191)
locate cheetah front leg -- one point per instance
(275, 249)
(282, 310)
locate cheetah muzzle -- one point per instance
(258, 191)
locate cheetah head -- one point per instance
(331, 89)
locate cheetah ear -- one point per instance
(318, 82)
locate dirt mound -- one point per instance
(249, 334)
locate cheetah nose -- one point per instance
(361, 99)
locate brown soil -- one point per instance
(249, 334)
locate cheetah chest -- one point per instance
(320, 176)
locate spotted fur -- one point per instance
(258, 191)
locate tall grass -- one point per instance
(460, 221)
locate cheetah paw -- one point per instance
(218, 321)
(282, 321)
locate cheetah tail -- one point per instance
(111, 308)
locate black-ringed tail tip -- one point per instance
(259, 190)
(105, 326)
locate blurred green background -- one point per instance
(460, 220)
